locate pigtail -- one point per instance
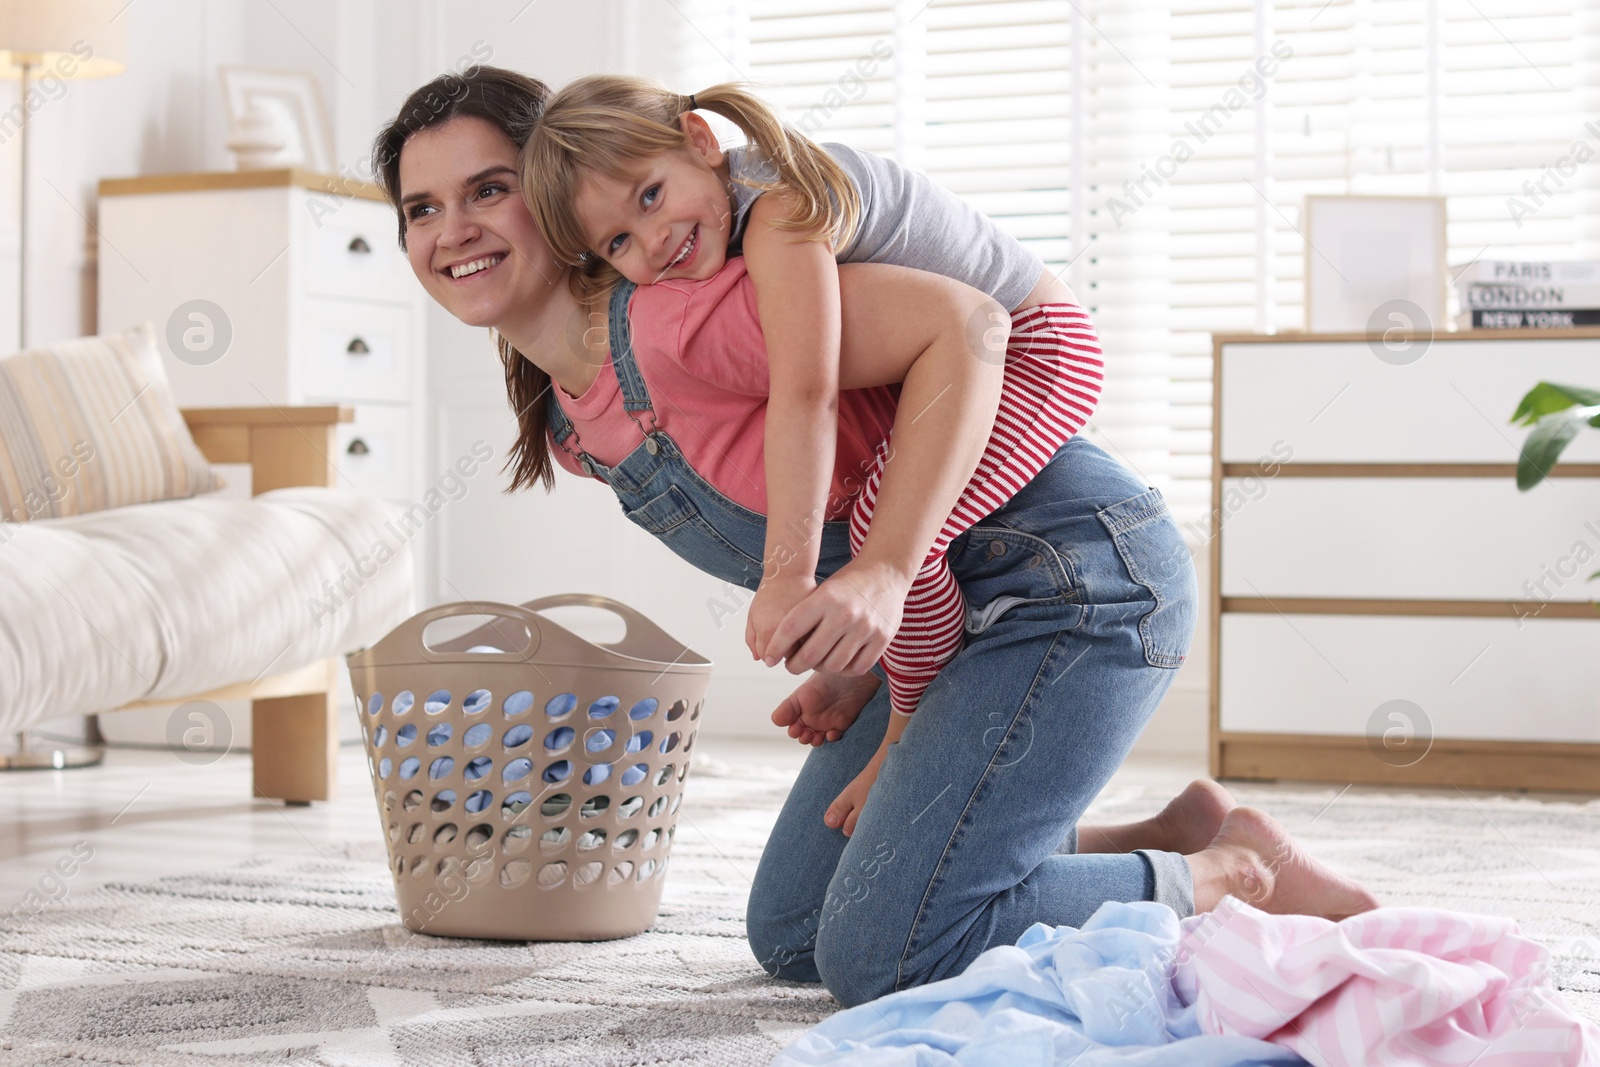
(831, 204)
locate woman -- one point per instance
(1081, 593)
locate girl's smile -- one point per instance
(670, 219)
(689, 246)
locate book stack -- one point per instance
(1501, 294)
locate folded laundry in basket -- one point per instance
(1135, 986)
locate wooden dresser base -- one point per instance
(1467, 764)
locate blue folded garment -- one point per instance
(1101, 996)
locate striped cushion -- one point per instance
(91, 424)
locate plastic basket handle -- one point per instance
(405, 641)
(643, 638)
(491, 633)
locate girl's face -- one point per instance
(670, 220)
(470, 238)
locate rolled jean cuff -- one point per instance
(1173, 881)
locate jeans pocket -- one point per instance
(1153, 551)
(999, 569)
(672, 519)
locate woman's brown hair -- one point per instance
(513, 103)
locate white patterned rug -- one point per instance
(283, 961)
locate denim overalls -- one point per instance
(1081, 602)
(662, 493)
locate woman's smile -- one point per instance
(474, 270)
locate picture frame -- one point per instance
(1368, 257)
(291, 102)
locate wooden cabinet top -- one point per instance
(241, 179)
(1304, 337)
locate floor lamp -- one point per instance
(52, 39)
(41, 40)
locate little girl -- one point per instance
(623, 176)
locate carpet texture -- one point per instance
(301, 959)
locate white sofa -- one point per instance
(211, 597)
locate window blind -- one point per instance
(1157, 155)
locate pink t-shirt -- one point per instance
(700, 350)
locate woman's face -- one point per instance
(470, 237)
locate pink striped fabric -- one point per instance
(1411, 986)
(1052, 382)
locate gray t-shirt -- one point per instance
(908, 220)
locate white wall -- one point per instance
(165, 114)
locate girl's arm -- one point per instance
(944, 342)
(797, 294)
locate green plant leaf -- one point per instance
(1547, 398)
(1544, 445)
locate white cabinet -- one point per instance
(1388, 607)
(278, 287)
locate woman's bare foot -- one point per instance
(1254, 858)
(835, 699)
(1186, 825)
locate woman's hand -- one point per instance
(846, 622)
(773, 600)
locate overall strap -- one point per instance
(635, 395)
(560, 425)
(561, 429)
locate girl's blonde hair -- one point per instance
(610, 123)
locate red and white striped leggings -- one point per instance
(1052, 382)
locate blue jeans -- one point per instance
(1081, 605)
(1082, 601)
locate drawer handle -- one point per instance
(358, 447)
(357, 347)
(359, 246)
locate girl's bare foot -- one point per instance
(1254, 858)
(823, 697)
(846, 807)
(1186, 825)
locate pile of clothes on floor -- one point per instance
(1137, 986)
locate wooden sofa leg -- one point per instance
(294, 744)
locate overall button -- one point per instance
(587, 464)
(651, 445)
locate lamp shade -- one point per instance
(66, 38)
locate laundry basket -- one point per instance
(528, 779)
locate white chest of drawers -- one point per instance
(277, 287)
(1386, 606)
